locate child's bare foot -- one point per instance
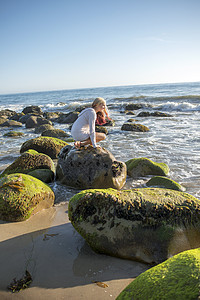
(77, 144)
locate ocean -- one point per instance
(173, 140)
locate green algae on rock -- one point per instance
(13, 133)
(47, 145)
(146, 224)
(22, 195)
(138, 167)
(29, 161)
(159, 181)
(176, 278)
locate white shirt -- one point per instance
(84, 127)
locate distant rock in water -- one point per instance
(33, 109)
(90, 168)
(153, 114)
(145, 224)
(134, 127)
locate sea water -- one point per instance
(172, 140)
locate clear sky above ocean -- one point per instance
(68, 44)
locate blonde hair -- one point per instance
(98, 101)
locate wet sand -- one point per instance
(62, 265)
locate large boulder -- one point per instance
(22, 195)
(11, 123)
(139, 167)
(145, 224)
(90, 168)
(47, 145)
(44, 127)
(176, 278)
(29, 161)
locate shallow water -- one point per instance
(172, 140)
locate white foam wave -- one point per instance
(174, 106)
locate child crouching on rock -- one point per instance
(83, 129)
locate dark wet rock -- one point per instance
(134, 106)
(68, 118)
(145, 224)
(33, 109)
(35, 121)
(47, 145)
(44, 175)
(101, 129)
(90, 168)
(30, 161)
(52, 116)
(176, 278)
(11, 123)
(128, 112)
(13, 134)
(153, 114)
(17, 117)
(42, 128)
(24, 118)
(7, 113)
(57, 133)
(134, 127)
(22, 195)
(139, 167)
(164, 182)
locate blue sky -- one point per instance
(68, 44)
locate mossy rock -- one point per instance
(13, 134)
(47, 145)
(43, 127)
(57, 133)
(145, 224)
(159, 181)
(44, 175)
(139, 167)
(22, 195)
(134, 127)
(29, 161)
(177, 278)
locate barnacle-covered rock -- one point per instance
(88, 167)
(145, 224)
(22, 195)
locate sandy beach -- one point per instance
(61, 264)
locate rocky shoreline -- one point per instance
(143, 224)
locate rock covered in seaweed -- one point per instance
(176, 278)
(160, 181)
(47, 145)
(146, 224)
(138, 167)
(90, 168)
(30, 161)
(22, 195)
